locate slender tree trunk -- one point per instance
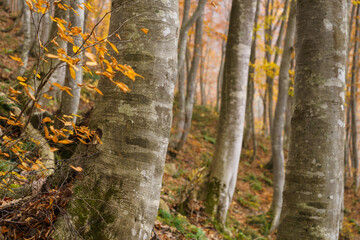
(58, 76)
(191, 82)
(279, 118)
(249, 130)
(270, 79)
(224, 167)
(202, 74)
(180, 115)
(27, 39)
(70, 104)
(314, 172)
(354, 75)
(348, 116)
(220, 76)
(118, 196)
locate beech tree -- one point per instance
(277, 141)
(314, 171)
(70, 104)
(118, 196)
(224, 166)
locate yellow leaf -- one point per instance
(47, 96)
(75, 48)
(17, 59)
(113, 46)
(49, 55)
(22, 79)
(61, 26)
(91, 64)
(65, 141)
(78, 169)
(123, 87)
(145, 30)
(97, 90)
(91, 56)
(72, 72)
(118, 36)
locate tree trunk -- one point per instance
(224, 166)
(249, 130)
(70, 104)
(58, 76)
(180, 115)
(202, 74)
(191, 83)
(348, 116)
(270, 79)
(220, 76)
(119, 193)
(314, 171)
(354, 75)
(27, 39)
(279, 118)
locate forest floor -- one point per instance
(248, 214)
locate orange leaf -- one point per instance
(65, 141)
(72, 72)
(98, 91)
(123, 87)
(17, 59)
(78, 169)
(145, 30)
(49, 55)
(113, 46)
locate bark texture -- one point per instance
(279, 118)
(118, 196)
(224, 166)
(314, 172)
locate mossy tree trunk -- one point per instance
(314, 171)
(119, 194)
(224, 167)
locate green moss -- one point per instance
(212, 198)
(91, 215)
(181, 223)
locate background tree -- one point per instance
(314, 171)
(277, 142)
(223, 172)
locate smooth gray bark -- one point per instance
(249, 130)
(354, 76)
(224, 166)
(179, 126)
(118, 196)
(314, 170)
(220, 76)
(191, 82)
(70, 104)
(27, 39)
(279, 118)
